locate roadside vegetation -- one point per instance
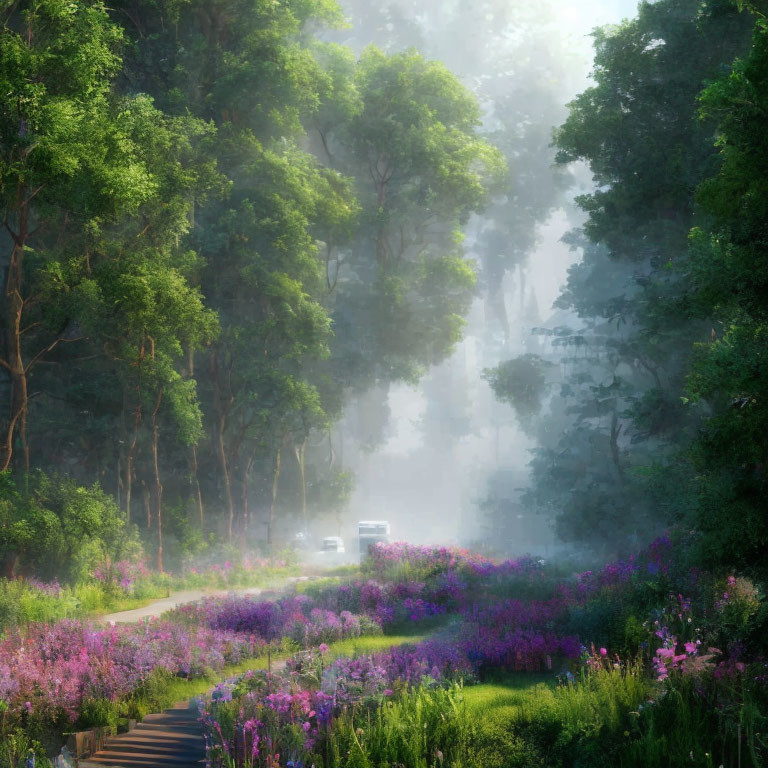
(463, 662)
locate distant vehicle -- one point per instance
(333, 544)
(371, 532)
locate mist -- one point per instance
(426, 263)
(447, 446)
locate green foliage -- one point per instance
(509, 726)
(614, 463)
(97, 713)
(726, 270)
(204, 292)
(15, 749)
(57, 528)
(609, 717)
(416, 127)
(405, 130)
(520, 382)
(21, 604)
(410, 730)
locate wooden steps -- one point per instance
(172, 739)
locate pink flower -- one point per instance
(603, 651)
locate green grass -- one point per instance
(519, 691)
(357, 646)
(339, 572)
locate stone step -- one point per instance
(163, 749)
(122, 761)
(170, 739)
(154, 738)
(162, 727)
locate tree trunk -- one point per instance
(244, 498)
(497, 303)
(190, 373)
(119, 493)
(222, 410)
(23, 436)
(199, 493)
(121, 459)
(147, 504)
(300, 452)
(273, 503)
(14, 364)
(615, 432)
(131, 453)
(158, 484)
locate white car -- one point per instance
(333, 544)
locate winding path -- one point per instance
(158, 607)
(172, 739)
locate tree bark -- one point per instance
(190, 372)
(158, 483)
(244, 498)
(199, 493)
(119, 490)
(615, 432)
(222, 410)
(137, 417)
(14, 306)
(300, 451)
(273, 502)
(147, 504)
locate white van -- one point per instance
(371, 532)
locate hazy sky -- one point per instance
(581, 16)
(549, 265)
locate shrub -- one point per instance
(98, 713)
(16, 747)
(57, 529)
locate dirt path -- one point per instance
(156, 607)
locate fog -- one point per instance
(447, 445)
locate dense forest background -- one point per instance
(647, 406)
(222, 226)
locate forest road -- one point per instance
(157, 607)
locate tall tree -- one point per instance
(61, 161)
(420, 169)
(727, 275)
(618, 468)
